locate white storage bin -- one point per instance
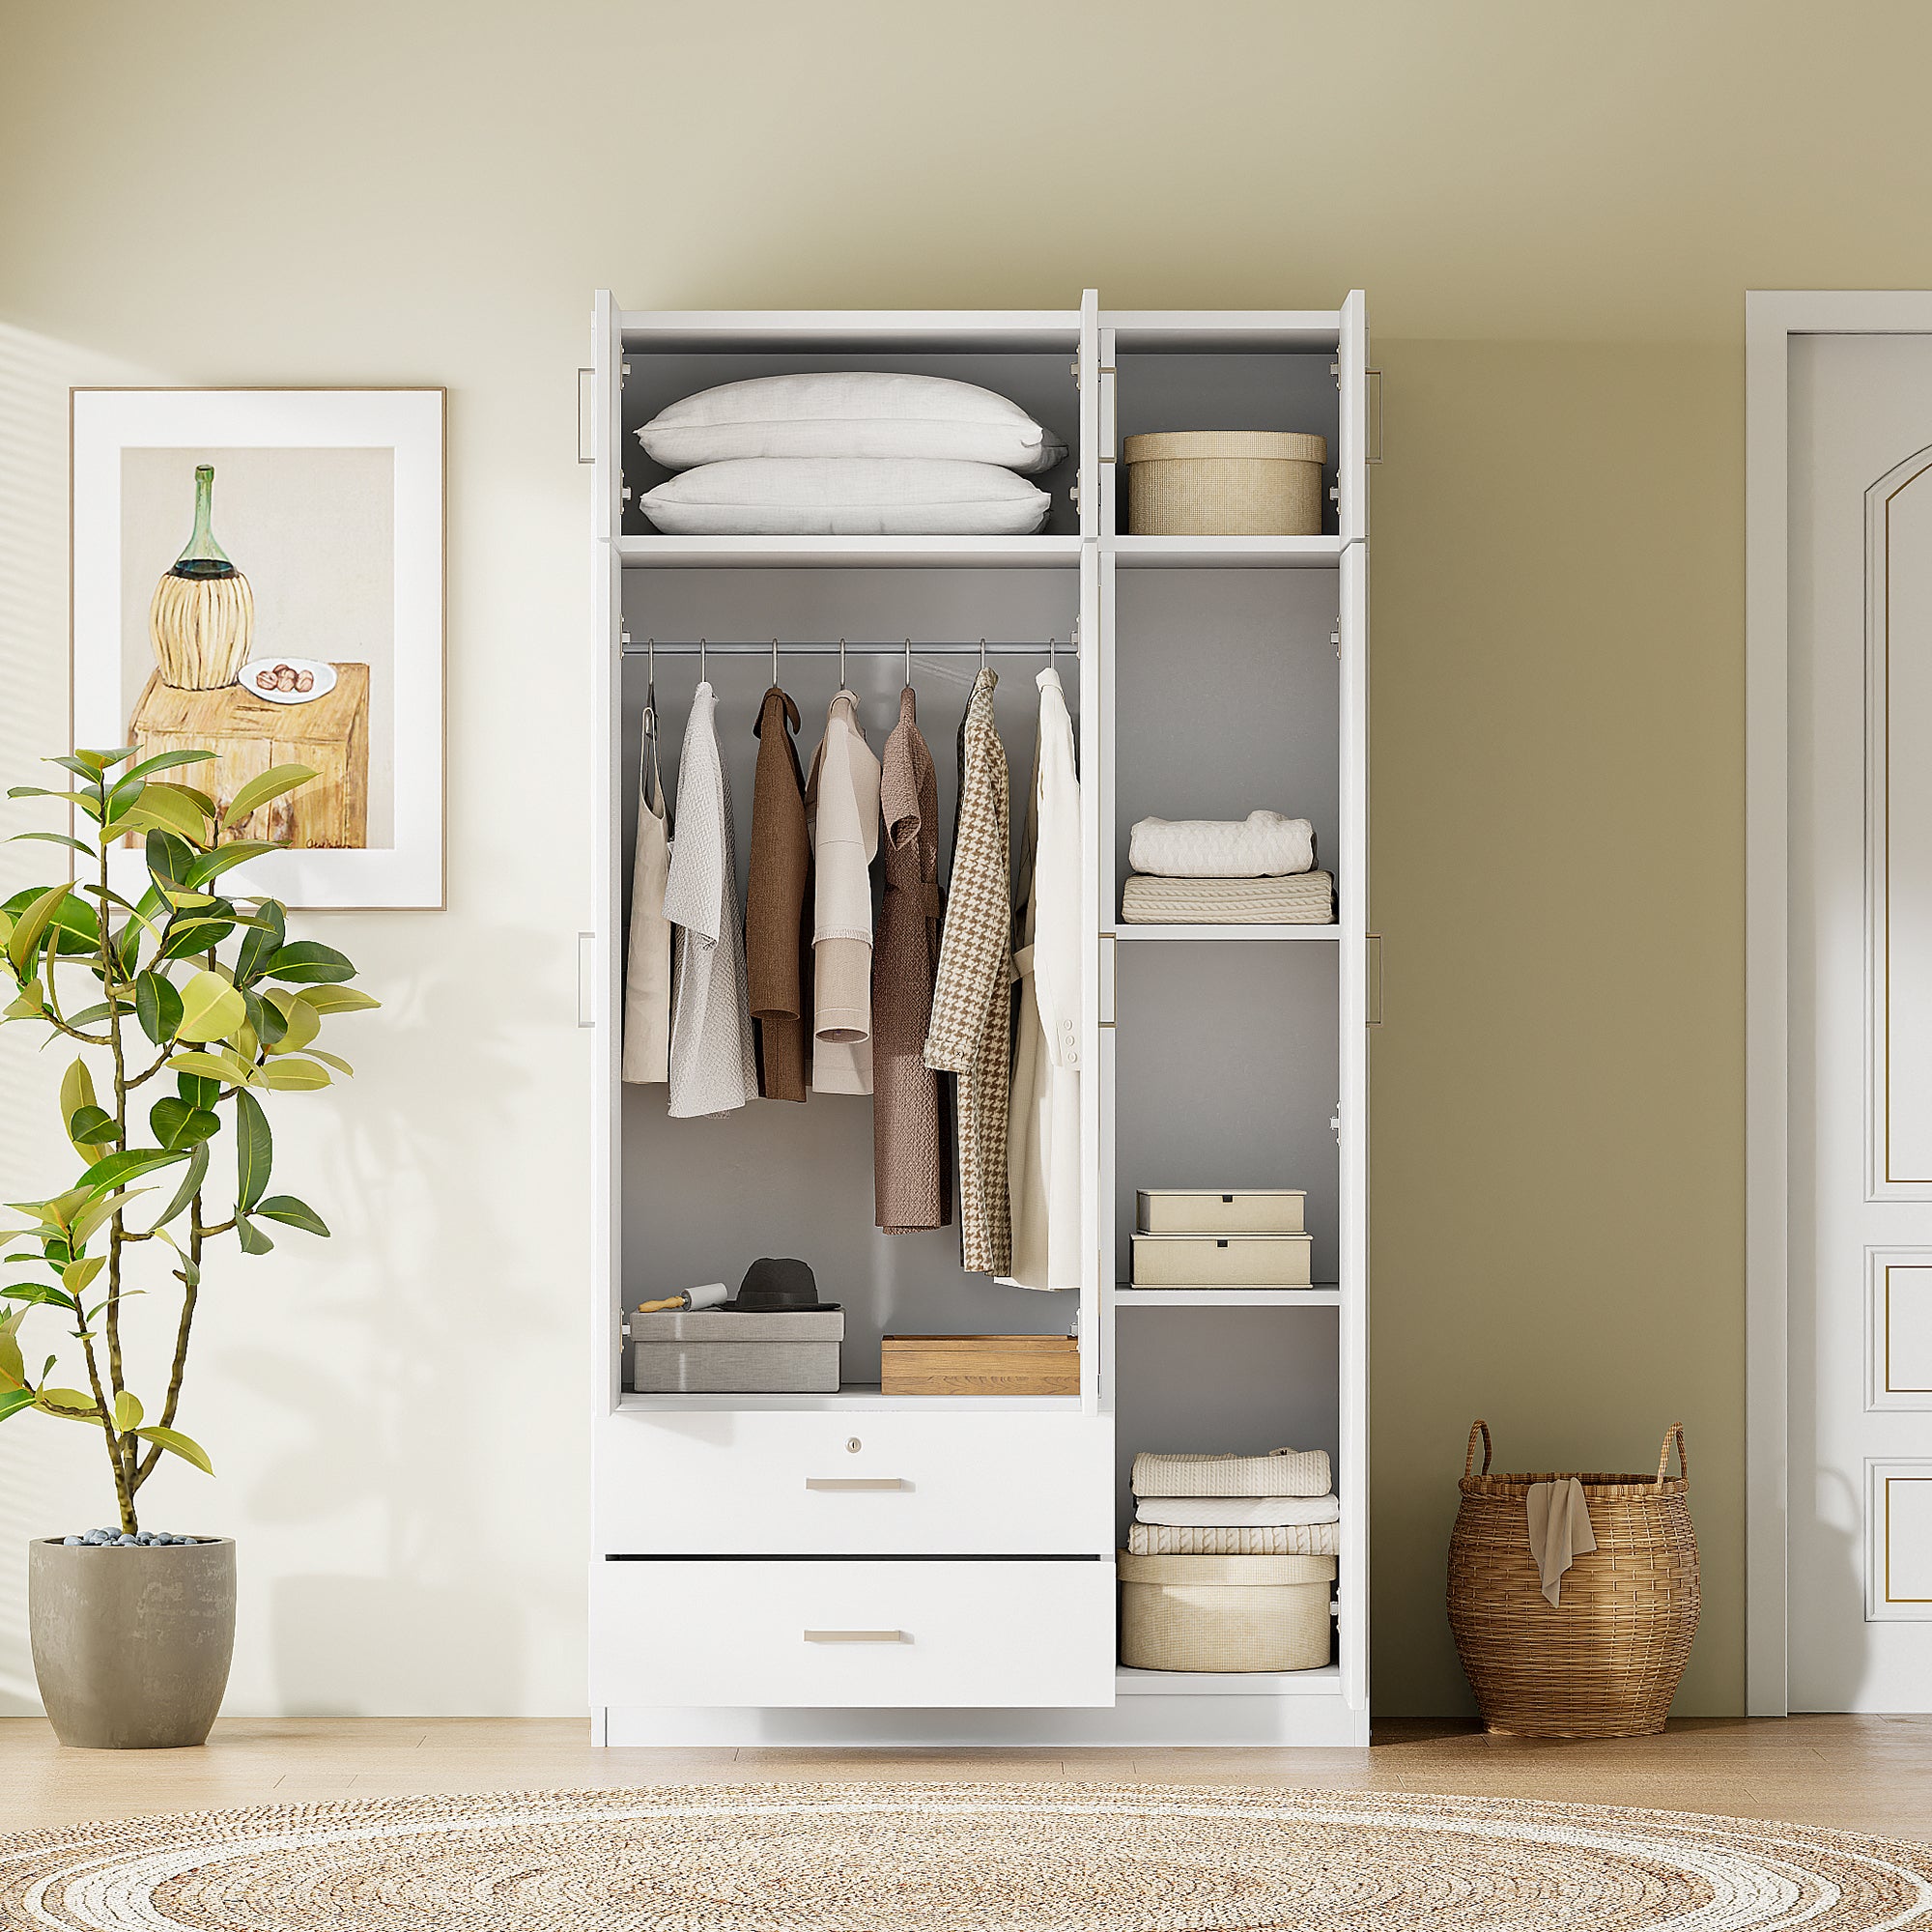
(1223, 1260)
(1243, 1211)
(1225, 1612)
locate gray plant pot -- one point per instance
(132, 1646)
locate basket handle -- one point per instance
(1469, 1460)
(1674, 1434)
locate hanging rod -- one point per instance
(634, 648)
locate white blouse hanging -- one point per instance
(713, 1069)
(1043, 1130)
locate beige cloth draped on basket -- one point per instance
(1605, 1661)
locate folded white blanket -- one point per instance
(1237, 1512)
(1315, 1539)
(1262, 845)
(1283, 1473)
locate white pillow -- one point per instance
(854, 412)
(846, 496)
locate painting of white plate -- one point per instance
(287, 680)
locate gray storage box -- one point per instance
(725, 1352)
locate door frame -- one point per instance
(1772, 318)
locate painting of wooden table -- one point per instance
(248, 734)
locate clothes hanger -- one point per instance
(775, 661)
(908, 664)
(701, 678)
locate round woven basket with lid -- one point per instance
(1223, 483)
(1605, 1661)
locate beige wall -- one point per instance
(1555, 211)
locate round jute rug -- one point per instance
(898, 1857)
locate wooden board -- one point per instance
(978, 1365)
(248, 735)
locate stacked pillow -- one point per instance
(854, 453)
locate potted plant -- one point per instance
(191, 1012)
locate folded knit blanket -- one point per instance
(1283, 1473)
(1316, 1539)
(1308, 898)
(1237, 1512)
(1260, 845)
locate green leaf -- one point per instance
(337, 999)
(70, 1404)
(86, 800)
(96, 1212)
(168, 857)
(300, 1021)
(157, 1006)
(93, 1127)
(14, 1401)
(218, 1065)
(189, 936)
(78, 926)
(101, 762)
(39, 1294)
(285, 1208)
(265, 1018)
(253, 1240)
(166, 762)
(335, 1060)
(237, 852)
(167, 807)
(261, 945)
(76, 1275)
(80, 845)
(77, 1094)
(13, 1370)
(258, 791)
(196, 1091)
(114, 1168)
(309, 961)
(211, 1008)
(254, 1151)
(183, 1446)
(86, 764)
(127, 1410)
(177, 1124)
(30, 1003)
(189, 1271)
(294, 1076)
(190, 1187)
(31, 926)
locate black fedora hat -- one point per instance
(771, 1284)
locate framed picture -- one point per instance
(258, 573)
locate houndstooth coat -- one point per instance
(971, 1034)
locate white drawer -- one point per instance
(852, 1634)
(782, 1483)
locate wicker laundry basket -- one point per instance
(1605, 1662)
(1225, 1612)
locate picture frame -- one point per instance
(260, 572)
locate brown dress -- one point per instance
(972, 1030)
(778, 912)
(912, 1165)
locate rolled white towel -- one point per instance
(1282, 1472)
(1259, 847)
(1237, 1512)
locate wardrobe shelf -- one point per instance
(1224, 553)
(1125, 1297)
(856, 1397)
(661, 553)
(1223, 933)
(1325, 1681)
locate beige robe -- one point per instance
(842, 802)
(1043, 1134)
(972, 1000)
(647, 957)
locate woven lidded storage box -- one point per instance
(1223, 1260)
(1605, 1662)
(1225, 483)
(1243, 1211)
(739, 1351)
(1225, 1612)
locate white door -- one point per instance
(1861, 1016)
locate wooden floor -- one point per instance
(1862, 1774)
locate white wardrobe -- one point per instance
(856, 1568)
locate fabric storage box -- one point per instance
(1225, 1612)
(1223, 1260)
(978, 1365)
(1225, 483)
(1245, 1211)
(727, 1351)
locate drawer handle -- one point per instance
(857, 1636)
(842, 1482)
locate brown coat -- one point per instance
(972, 1028)
(912, 1164)
(778, 913)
